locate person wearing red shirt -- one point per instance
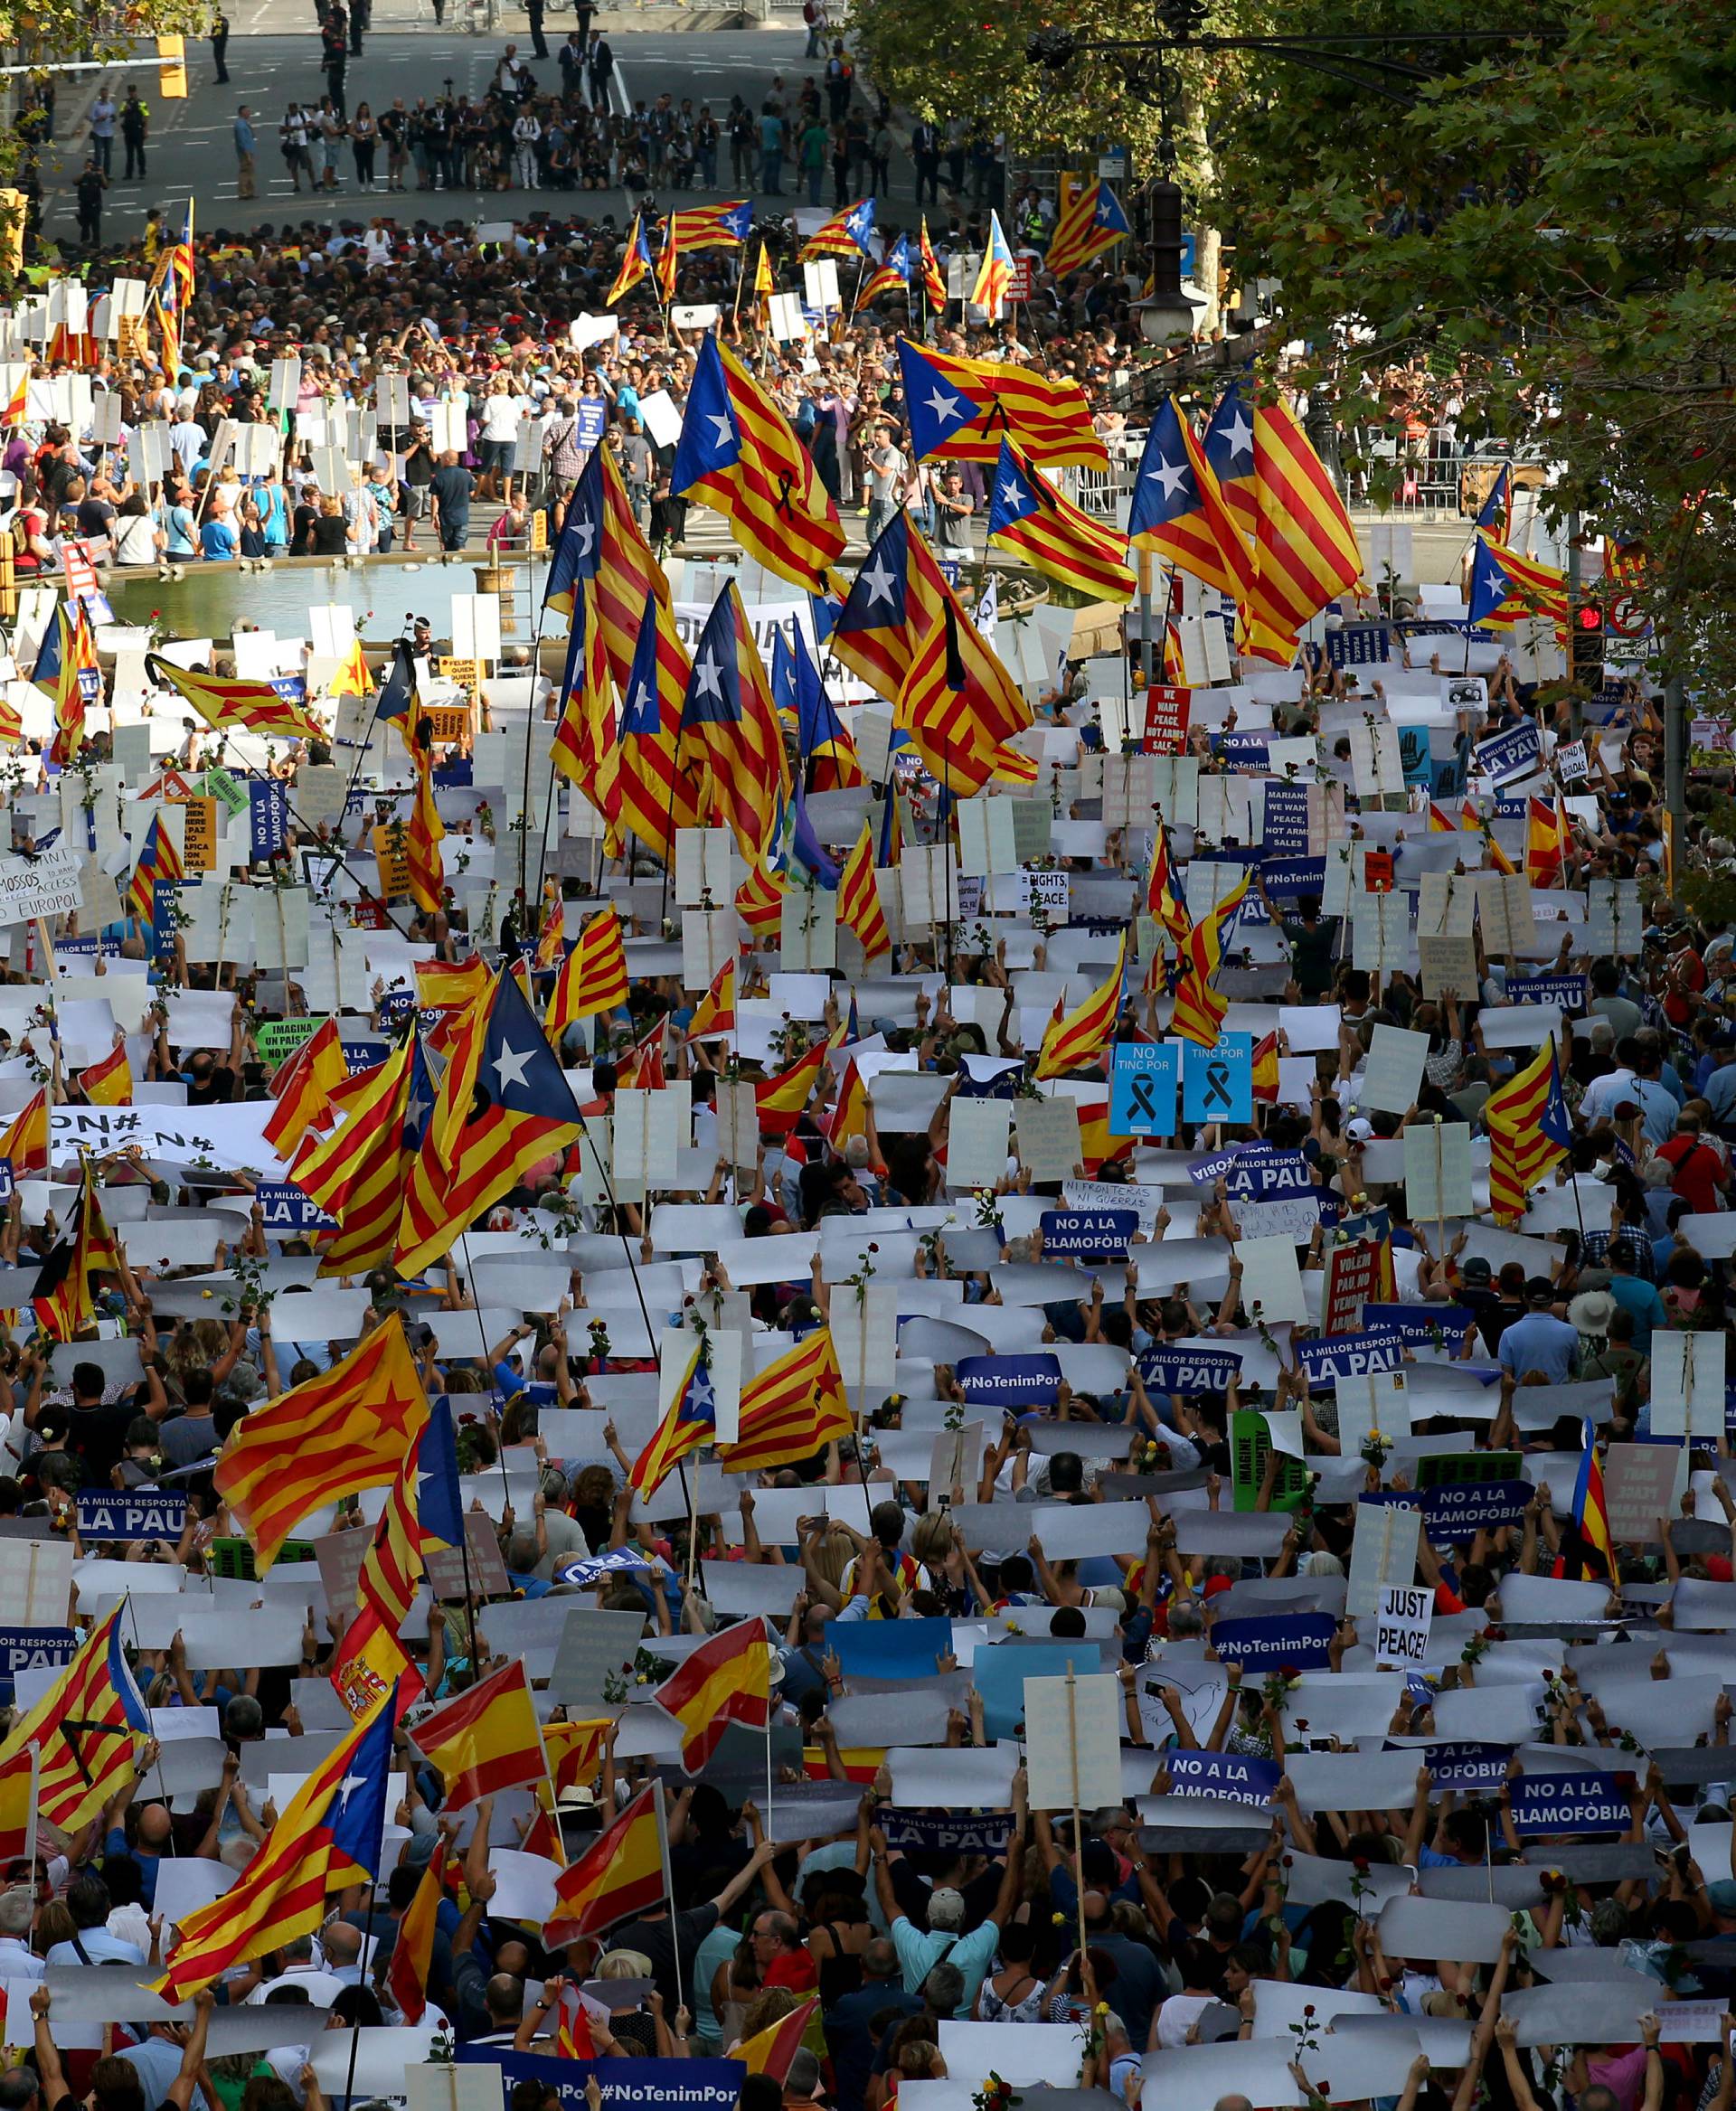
(1698, 1173)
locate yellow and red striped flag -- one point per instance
(157, 860)
(726, 1680)
(934, 280)
(486, 1739)
(1545, 842)
(635, 261)
(845, 234)
(1265, 1078)
(1534, 589)
(65, 1297)
(1529, 1134)
(329, 1835)
(859, 908)
(347, 1430)
(253, 707)
(593, 976)
(84, 1731)
(1199, 1009)
(730, 727)
(715, 1012)
(575, 1752)
(1162, 901)
(782, 1099)
(792, 1408)
(18, 1806)
(1304, 547)
(691, 1422)
(1180, 512)
(425, 832)
(412, 1950)
(960, 708)
(1028, 515)
(1092, 221)
(619, 1877)
(759, 899)
(770, 2051)
(1077, 1041)
(357, 1174)
(962, 410)
(739, 454)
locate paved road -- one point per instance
(274, 59)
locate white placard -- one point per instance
(1401, 1627)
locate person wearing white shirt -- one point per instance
(17, 1912)
(503, 412)
(527, 132)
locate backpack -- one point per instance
(810, 13)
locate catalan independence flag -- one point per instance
(962, 409)
(1591, 1514)
(1529, 1133)
(792, 1408)
(845, 234)
(1028, 515)
(690, 1421)
(726, 1680)
(157, 860)
(619, 1877)
(85, 1730)
(1199, 1009)
(1180, 512)
(715, 1012)
(635, 261)
(486, 1740)
(893, 277)
(1092, 221)
(738, 455)
(1304, 547)
(995, 273)
(859, 908)
(250, 707)
(347, 1428)
(934, 280)
(1077, 1041)
(329, 1836)
(593, 976)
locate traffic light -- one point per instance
(1587, 644)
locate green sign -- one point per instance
(277, 1040)
(1453, 1469)
(1251, 1445)
(217, 784)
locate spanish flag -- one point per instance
(347, 1430)
(1077, 1041)
(849, 1115)
(303, 1088)
(1266, 1070)
(715, 1012)
(783, 1100)
(486, 1739)
(1590, 1512)
(794, 1408)
(1545, 842)
(24, 1145)
(575, 1751)
(109, 1082)
(63, 1297)
(448, 985)
(771, 2050)
(1440, 821)
(593, 976)
(619, 1877)
(726, 1680)
(413, 1952)
(18, 1806)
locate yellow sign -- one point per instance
(467, 672)
(395, 867)
(172, 69)
(539, 526)
(198, 850)
(448, 721)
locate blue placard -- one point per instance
(362, 1055)
(592, 413)
(1144, 1079)
(1327, 1358)
(999, 1672)
(931, 1832)
(585, 1569)
(6, 1180)
(1267, 1642)
(1014, 1383)
(1222, 1777)
(1510, 754)
(625, 2085)
(1290, 882)
(1285, 826)
(1215, 1165)
(292, 688)
(286, 1208)
(1546, 1804)
(267, 817)
(1267, 1177)
(1413, 756)
(1462, 1763)
(1189, 1370)
(1569, 991)
(33, 1649)
(1358, 644)
(1242, 749)
(455, 770)
(1218, 1083)
(136, 1514)
(396, 1005)
(1088, 1235)
(1459, 1508)
(891, 1649)
(1420, 1327)
(164, 894)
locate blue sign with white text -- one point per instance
(1015, 1382)
(624, 2085)
(286, 1208)
(1328, 1358)
(1218, 1083)
(33, 1649)
(136, 1514)
(1144, 1078)
(1222, 1777)
(268, 818)
(1591, 1802)
(1088, 1235)
(1265, 1642)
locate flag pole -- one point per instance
(355, 2028)
(668, 1889)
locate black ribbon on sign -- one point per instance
(1217, 1085)
(1143, 1105)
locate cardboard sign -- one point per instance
(448, 721)
(393, 864)
(199, 850)
(1377, 871)
(277, 1040)
(137, 1513)
(1401, 1626)
(1352, 1277)
(1144, 1079)
(1166, 715)
(1218, 1083)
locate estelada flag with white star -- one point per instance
(739, 454)
(962, 410)
(504, 1103)
(845, 234)
(730, 729)
(1028, 515)
(995, 273)
(1180, 512)
(1092, 222)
